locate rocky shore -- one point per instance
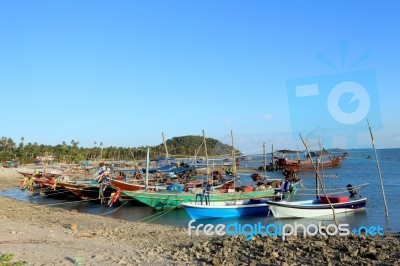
(43, 235)
(351, 250)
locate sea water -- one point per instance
(358, 168)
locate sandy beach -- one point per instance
(39, 235)
(53, 236)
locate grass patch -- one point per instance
(5, 260)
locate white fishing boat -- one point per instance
(315, 208)
(327, 205)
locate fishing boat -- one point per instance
(322, 159)
(325, 205)
(160, 200)
(123, 187)
(133, 186)
(174, 197)
(87, 190)
(45, 185)
(224, 209)
(50, 187)
(204, 208)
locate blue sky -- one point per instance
(123, 72)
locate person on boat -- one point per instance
(87, 166)
(285, 172)
(121, 176)
(138, 176)
(353, 192)
(290, 175)
(100, 172)
(203, 195)
(207, 189)
(256, 177)
(286, 186)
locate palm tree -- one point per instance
(3, 144)
(11, 145)
(74, 144)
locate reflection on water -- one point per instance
(355, 170)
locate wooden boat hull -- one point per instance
(117, 184)
(162, 200)
(129, 187)
(53, 191)
(313, 208)
(226, 209)
(86, 191)
(307, 165)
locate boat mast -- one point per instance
(195, 158)
(319, 179)
(133, 157)
(379, 170)
(265, 162)
(234, 161)
(322, 161)
(272, 157)
(205, 148)
(147, 169)
(165, 146)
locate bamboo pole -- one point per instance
(316, 186)
(272, 157)
(165, 146)
(234, 161)
(147, 169)
(379, 170)
(195, 158)
(320, 161)
(265, 162)
(319, 179)
(205, 148)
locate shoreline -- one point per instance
(41, 235)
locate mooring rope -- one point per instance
(114, 209)
(158, 214)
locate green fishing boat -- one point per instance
(160, 200)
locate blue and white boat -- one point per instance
(315, 208)
(224, 209)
